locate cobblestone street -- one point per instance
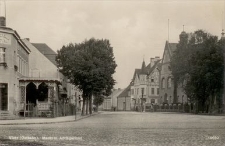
(122, 128)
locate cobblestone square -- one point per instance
(122, 128)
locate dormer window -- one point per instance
(2, 55)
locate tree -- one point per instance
(89, 65)
(198, 65)
(98, 100)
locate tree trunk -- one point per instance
(196, 107)
(87, 100)
(175, 91)
(90, 104)
(83, 107)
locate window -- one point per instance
(142, 91)
(153, 91)
(163, 83)
(152, 100)
(2, 55)
(157, 91)
(4, 96)
(169, 82)
(152, 80)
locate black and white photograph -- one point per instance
(112, 73)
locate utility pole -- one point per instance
(75, 106)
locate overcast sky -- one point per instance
(137, 30)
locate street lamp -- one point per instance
(142, 93)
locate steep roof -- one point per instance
(47, 51)
(136, 71)
(147, 70)
(171, 47)
(125, 92)
(143, 68)
(157, 64)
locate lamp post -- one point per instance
(142, 93)
(75, 106)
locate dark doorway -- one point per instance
(3, 96)
(43, 92)
(31, 93)
(165, 98)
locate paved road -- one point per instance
(122, 128)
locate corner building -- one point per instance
(14, 58)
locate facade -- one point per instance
(145, 85)
(14, 64)
(124, 100)
(166, 79)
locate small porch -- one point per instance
(37, 97)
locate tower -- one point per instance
(223, 35)
(2, 13)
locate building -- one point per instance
(110, 102)
(145, 85)
(14, 64)
(166, 79)
(45, 86)
(30, 82)
(124, 100)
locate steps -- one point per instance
(6, 115)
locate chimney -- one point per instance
(157, 58)
(2, 14)
(152, 62)
(2, 21)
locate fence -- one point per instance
(56, 109)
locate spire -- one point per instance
(143, 67)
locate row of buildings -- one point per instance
(152, 84)
(30, 81)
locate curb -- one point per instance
(82, 117)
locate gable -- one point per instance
(166, 56)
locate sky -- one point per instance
(137, 30)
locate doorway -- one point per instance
(3, 96)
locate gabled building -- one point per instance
(124, 100)
(46, 86)
(110, 102)
(166, 79)
(145, 85)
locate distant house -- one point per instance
(110, 102)
(124, 100)
(145, 85)
(166, 78)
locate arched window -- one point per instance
(2, 55)
(163, 83)
(169, 82)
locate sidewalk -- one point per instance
(25, 121)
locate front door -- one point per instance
(3, 97)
